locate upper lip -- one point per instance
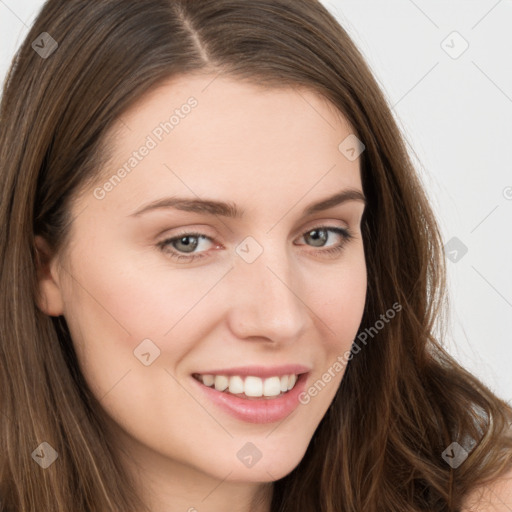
(259, 371)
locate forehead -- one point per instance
(208, 135)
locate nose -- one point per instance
(267, 299)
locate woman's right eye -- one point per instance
(168, 245)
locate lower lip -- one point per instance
(264, 410)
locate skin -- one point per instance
(273, 152)
(493, 497)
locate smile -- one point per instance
(249, 385)
(250, 398)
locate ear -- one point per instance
(49, 299)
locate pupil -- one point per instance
(190, 245)
(316, 237)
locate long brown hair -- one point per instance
(402, 401)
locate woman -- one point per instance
(174, 334)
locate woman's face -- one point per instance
(262, 299)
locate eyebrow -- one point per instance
(231, 210)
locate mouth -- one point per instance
(251, 398)
(250, 387)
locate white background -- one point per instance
(456, 115)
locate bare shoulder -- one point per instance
(493, 497)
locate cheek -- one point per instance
(340, 300)
(132, 298)
(114, 303)
(110, 309)
(111, 304)
(339, 304)
(340, 307)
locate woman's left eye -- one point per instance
(190, 242)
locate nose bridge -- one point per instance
(267, 299)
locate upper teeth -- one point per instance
(251, 386)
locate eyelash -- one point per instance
(164, 244)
